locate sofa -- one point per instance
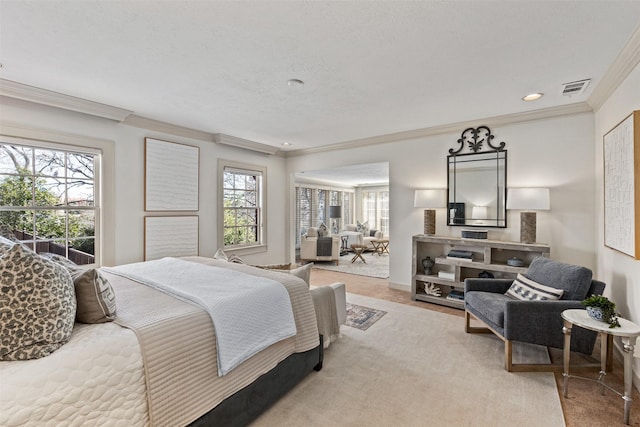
(357, 237)
(311, 242)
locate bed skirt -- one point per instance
(248, 404)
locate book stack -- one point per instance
(456, 295)
(446, 275)
(458, 254)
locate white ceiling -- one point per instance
(354, 175)
(370, 67)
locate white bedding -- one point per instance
(95, 379)
(240, 333)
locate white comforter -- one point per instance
(240, 333)
(95, 379)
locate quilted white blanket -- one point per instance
(240, 333)
(95, 379)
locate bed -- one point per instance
(156, 364)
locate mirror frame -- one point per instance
(478, 142)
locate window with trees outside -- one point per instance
(375, 209)
(242, 207)
(48, 198)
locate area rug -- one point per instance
(418, 367)
(376, 266)
(361, 317)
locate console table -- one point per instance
(628, 331)
(487, 257)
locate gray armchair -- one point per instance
(535, 322)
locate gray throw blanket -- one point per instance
(324, 246)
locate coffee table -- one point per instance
(358, 250)
(628, 332)
(380, 246)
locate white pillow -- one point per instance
(526, 289)
(363, 228)
(303, 272)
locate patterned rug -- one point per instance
(376, 266)
(361, 317)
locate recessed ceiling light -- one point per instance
(532, 96)
(295, 83)
(286, 144)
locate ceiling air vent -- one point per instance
(574, 88)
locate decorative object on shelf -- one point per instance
(428, 264)
(600, 308)
(433, 290)
(621, 147)
(447, 275)
(335, 212)
(429, 198)
(485, 275)
(528, 199)
(474, 234)
(477, 180)
(460, 254)
(515, 262)
(456, 295)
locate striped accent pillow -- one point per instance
(526, 289)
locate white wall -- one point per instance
(124, 179)
(619, 271)
(555, 153)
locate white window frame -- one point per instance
(261, 244)
(97, 173)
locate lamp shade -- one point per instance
(431, 198)
(479, 212)
(528, 199)
(335, 211)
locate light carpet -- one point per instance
(418, 367)
(376, 266)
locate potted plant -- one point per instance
(600, 308)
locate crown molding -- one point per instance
(234, 141)
(20, 130)
(164, 127)
(620, 68)
(34, 94)
(575, 108)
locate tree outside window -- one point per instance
(47, 199)
(242, 207)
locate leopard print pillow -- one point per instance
(37, 305)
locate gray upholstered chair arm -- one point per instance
(536, 322)
(497, 286)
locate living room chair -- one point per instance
(533, 321)
(357, 238)
(316, 248)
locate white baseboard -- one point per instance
(400, 287)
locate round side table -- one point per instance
(628, 332)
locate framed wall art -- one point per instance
(170, 176)
(621, 156)
(173, 236)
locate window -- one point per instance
(48, 198)
(312, 208)
(242, 202)
(375, 209)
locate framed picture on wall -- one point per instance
(170, 176)
(621, 146)
(173, 236)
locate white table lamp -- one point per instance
(528, 200)
(429, 198)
